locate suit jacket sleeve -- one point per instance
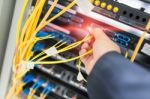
(114, 77)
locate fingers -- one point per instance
(86, 59)
(85, 46)
(82, 51)
(98, 33)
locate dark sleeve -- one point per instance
(114, 77)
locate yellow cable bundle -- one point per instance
(71, 46)
(56, 16)
(35, 21)
(40, 6)
(63, 61)
(140, 42)
(27, 39)
(46, 22)
(20, 20)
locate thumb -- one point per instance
(98, 33)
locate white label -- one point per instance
(80, 77)
(85, 5)
(51, 51)
(27, 65)
(146, 49)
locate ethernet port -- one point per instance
(74, 79)
(70, 94)
(127, 39)
(144, 20)
(58, 70)
(120, 36)
(124, 44)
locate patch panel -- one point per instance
(65, 75)
(58, 71)
(50, 87)
(69, 94)
(57, 35)
(66, 55)
(67, 18)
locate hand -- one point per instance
(100, 45)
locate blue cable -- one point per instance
(36, 85)
(42, 34)
(26, 91)
(28, 78)
(38, 47)
(48, 89)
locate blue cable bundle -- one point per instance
(57, 35)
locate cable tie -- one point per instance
(51, 51)
(27, 65)
(80, 77)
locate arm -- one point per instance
(114, 77)
(111, 76)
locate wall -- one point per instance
(6, 12)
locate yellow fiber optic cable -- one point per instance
(42, 53)
(20, 75)
(19, 89)
(35, 21)
(49, 11)
(63, 49)
(27, 69)
(59, 51)
(17, 59)
(28, 23)
(28, 45)
(51, 8)
(63, 61)
(34, 39)
(64, 10)
(30, 53)
(73, 45)
(140, 42)
(126, 54)
(42, 96)
(61, 44)
(42, 58)
(79, 69)
(56, 16)
(32, 92)
(29, 41)
(37, 2)
(20, 20)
